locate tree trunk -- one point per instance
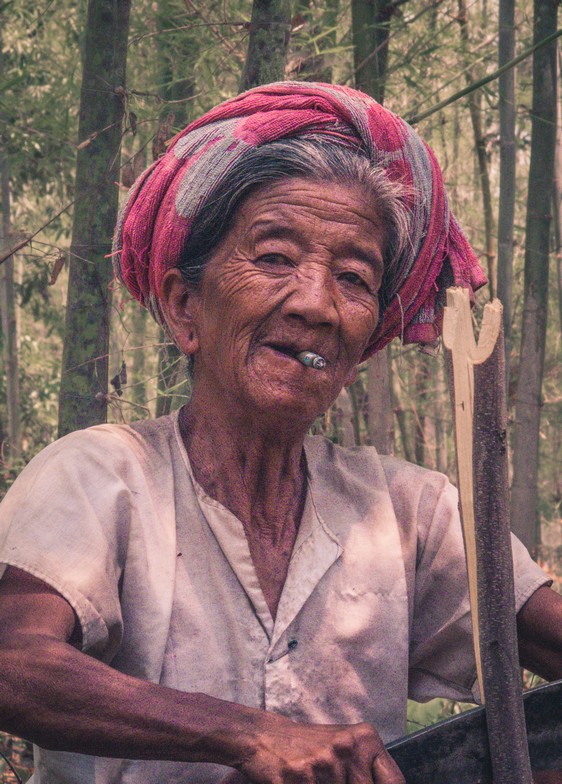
(441, 460)
(506, 211)
(381, 425)
(343, 416)
(370, 24)
(8, 315)
(421, 382)
(401, 412)
(557, 190)
(138, 360)
(535, 306)
(480, 144)
(270, 29)
(177, 86)
(330, 21)
(85, 357)
(177, 78)
(9, 327)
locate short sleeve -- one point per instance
(441, 651)
(66, 520)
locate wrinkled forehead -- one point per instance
(309, 217)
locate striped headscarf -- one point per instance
(155, 223)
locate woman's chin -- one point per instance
(283, 406)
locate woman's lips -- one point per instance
(305, 357)
(287, 350)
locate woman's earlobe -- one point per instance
(178, 304)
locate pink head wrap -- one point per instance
(156, 221)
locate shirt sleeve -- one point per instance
(66, 520)
(442, 661)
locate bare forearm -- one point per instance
(61, 699)
(539, 626)
(540, 660)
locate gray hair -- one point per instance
(315, 157)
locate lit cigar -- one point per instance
(312, 360)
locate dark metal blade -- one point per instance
(456, 750)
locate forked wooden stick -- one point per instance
(476, 381)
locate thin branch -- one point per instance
(23, 243)
(14, 771)
(481, 82)
(453, 78)
(161, 100)
(191, 26)
(39, 17)
(410, 55)
(190, 5)
(19, 245)
(94, 135)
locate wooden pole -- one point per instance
(476, 373)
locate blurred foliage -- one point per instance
(422, 715)
(16, 760)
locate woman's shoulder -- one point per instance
(149, 431)
(418, 496)
(107, 448)
(366, 461)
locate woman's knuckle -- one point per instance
(325, 761)
(300, 771)
(366, 732)
(344, 742)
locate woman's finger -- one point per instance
(385, 770)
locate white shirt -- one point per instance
(374, 608)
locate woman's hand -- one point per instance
(292, 753)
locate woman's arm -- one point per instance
(61, 698)
(539, 629)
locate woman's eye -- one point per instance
(274, 260)
(354, 279)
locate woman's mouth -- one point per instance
(306, 357)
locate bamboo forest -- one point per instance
(92, 92)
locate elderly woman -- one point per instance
(215, 588)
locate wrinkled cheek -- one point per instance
(364, 328)
(230, 335)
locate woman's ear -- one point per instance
(178, 302)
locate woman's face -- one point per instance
(299, 270)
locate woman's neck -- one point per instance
(261, 478)
(260, 475)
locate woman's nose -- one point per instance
(312, 297)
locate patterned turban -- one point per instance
(156, 220)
